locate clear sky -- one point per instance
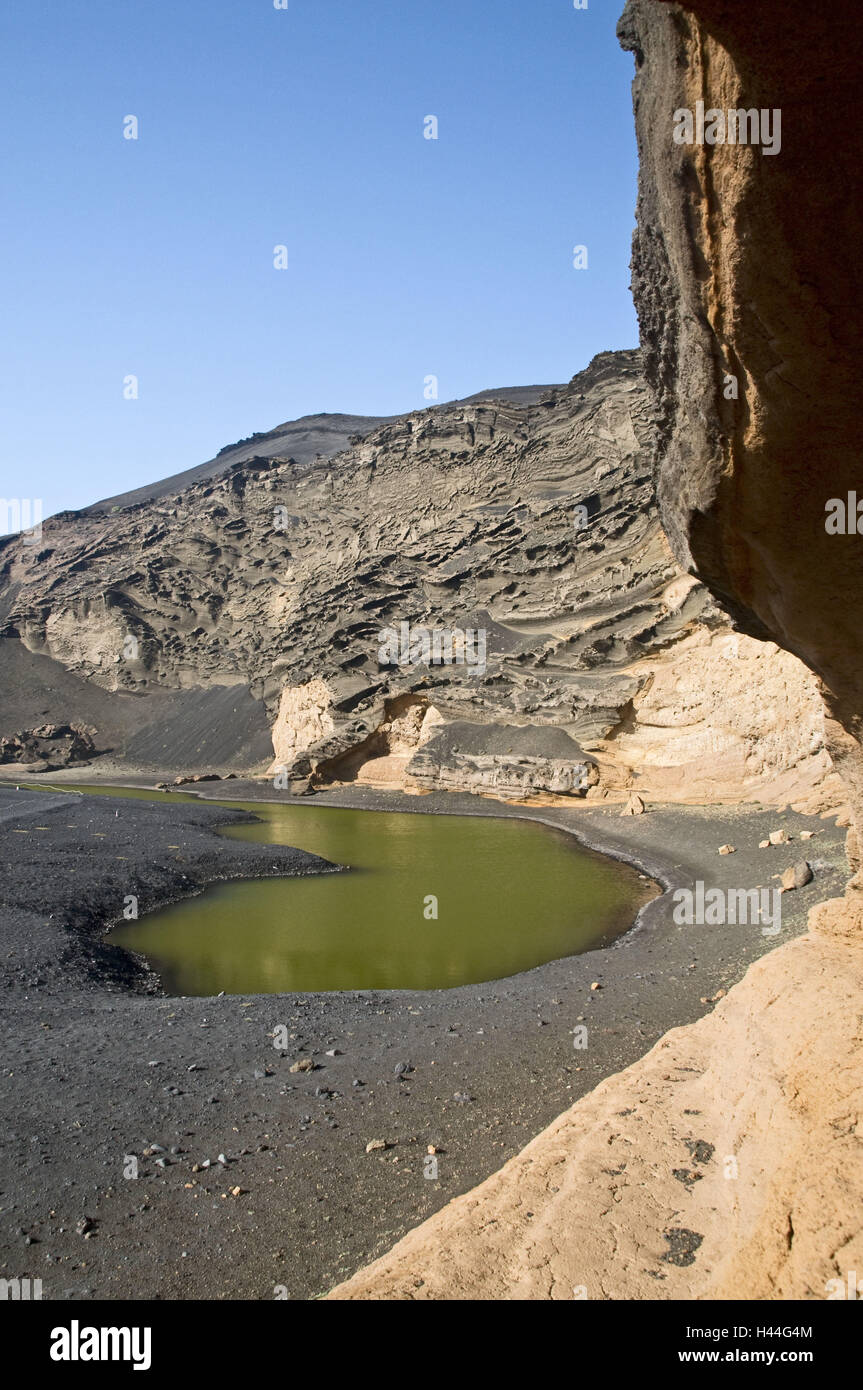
(301, 127)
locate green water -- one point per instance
(510, 895)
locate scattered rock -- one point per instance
(727, 849)
(303, 1064)
(687, 1176)
(779, 837)
(682, 1245)
(797, 876)
(634, 806)
(699, 1150)
(375, 1144)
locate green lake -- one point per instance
(510, 894)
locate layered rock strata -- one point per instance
(500, 561)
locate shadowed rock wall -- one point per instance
(747, 281)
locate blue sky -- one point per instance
(261, 127)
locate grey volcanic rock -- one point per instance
(53, 745)
(501, 760)
(304, 440)
(496, 562)
(311, 438)
(281, 572)
(217, 725)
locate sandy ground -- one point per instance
(99, 1068)
(723, 1165)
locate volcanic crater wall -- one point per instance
(251, 603)
(747, 281)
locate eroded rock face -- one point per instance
(404, 723)
(303, 719)
(514, 763)
(286, 590)
(280, 572)
(722, 717)
(747, 283)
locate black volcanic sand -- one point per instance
(98, 1066)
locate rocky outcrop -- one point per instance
(721, 717)
(303, 720)
(529, 520)
(49, 746)
(515, 763)
(745, 279)
(499, 560)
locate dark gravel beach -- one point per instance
(253, 1180)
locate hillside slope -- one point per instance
(251, 605)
